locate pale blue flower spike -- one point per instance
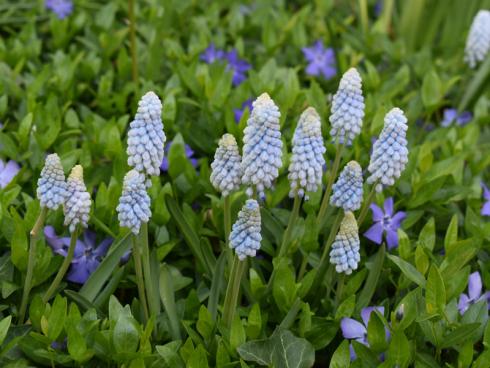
(51, 185)
(347, 191)
(134, 203)
(390, 152)
(307, 161)
(226, 171)
(78, 202)
(347, 109)
(245, 236)
(345, 248)
(478, 40)
(262, 146)
(146, 137)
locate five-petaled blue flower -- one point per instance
(234, 64)
(452, 115)
(386, 221)
(355, 330)
(485, 210)
(62, 8)
(474, 295)
(87, 256)
(189, 153)
(321, 60)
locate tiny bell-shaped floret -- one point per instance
(262, 146)
(134, 203)
(245, 236)
(347, 108)
(478, 40)
(345, 248)
(146, 137)
(390, 153)
(77, 204)
(51, 186)
(307, 161)
(226, 172)
(347, 191)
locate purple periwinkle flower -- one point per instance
(87, 256)
(451, 115)
(355, 330)
(321, 60)
(237, 66)
(62, 8)
(189, 153)
(7, 172)
(474, 295)
(212, 54)
(387, 221)
(485, 210)
(239, 112)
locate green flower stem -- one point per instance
(232, 290)
(293, 217)
(302, 269)
(132, 38)
(367, 203)
(64, 267)
(227, 225)
(322, 267)
(31, 262)
(333, 174)
(340, 289)
(139, 277)
(363, 11)
(150, 293)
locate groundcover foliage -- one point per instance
(351, 185)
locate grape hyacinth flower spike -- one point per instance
(146, 138)
(390, 153)
(262, 146)
(51, 186)
(347, 191)
(78, 202)
(245, 236)
(345, 248)
(245, 239)
(307, 161)
(134, 203)
(478, 41)
(347, 108)
(226, 169)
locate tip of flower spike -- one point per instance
(396, 114)
(251, 205)
(227, 140)
(310, 114)
(150, 95)
(77, 172)
(351, 79)
(53, 157)
(348, 224)
(264, 97)
(354, 165)
(132, 174)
